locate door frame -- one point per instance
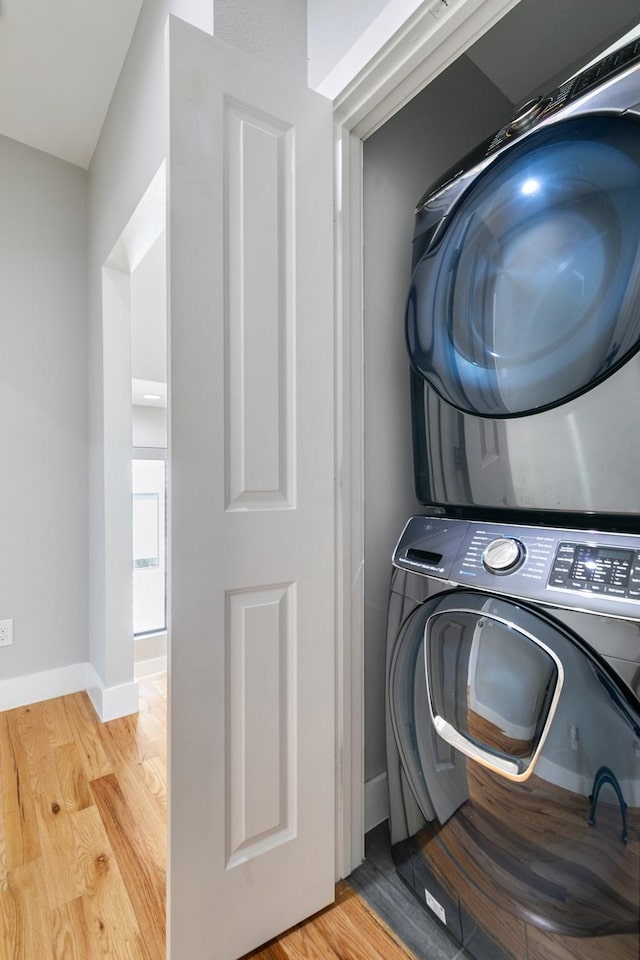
(415, 55)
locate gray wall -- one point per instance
(401, 159)
(43, 420)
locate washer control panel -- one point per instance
(611, 571)
(542, 107)
(576, 569)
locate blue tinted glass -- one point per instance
(532, 294)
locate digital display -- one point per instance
(602, 553)
(598, 569)
(603, 559)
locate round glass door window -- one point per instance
(531, 293)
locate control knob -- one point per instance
(527, 114)
(504, 555)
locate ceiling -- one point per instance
(59, 63)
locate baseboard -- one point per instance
(34, 687)
(111, 702)
(108, 702)
(147, 668)
(150, 645)
(150, 654)
(376, 801)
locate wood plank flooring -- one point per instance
(347, 930)
(83, 831)
(83, 844)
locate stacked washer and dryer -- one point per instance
(513, 651)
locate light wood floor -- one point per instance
(83, 844)
(347, 930)
(83, 838)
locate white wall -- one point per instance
(343, 35)
(149, 426)
(43, 419)
(401, 159)
(334, 26)
(274, 32)
(149, 314)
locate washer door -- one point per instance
(531, 294)
(492, 687)
(531, 761)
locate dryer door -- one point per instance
(531, 293)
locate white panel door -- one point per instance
(251, 500)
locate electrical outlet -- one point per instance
(6, 633)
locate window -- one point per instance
(149, 545)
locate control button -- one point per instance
(557, 581)
(616, 591)
(503, 555)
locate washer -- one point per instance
(523, 317)
(513, 735)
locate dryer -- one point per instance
(523, 317)
(513, 735)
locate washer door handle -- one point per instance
(506, 768)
